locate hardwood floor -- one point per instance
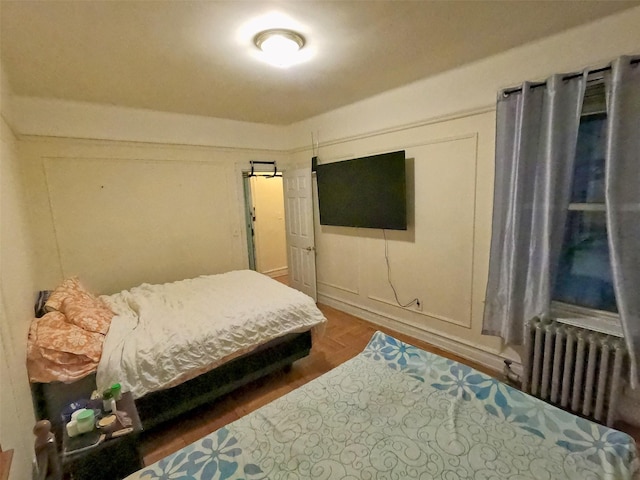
(345, 336)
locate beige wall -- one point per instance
(442, 258)
(58, 118)
(270, 236)
(119, 214)
(17, 294)
(446, 124)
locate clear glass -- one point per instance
(584, 282)
(584, 270)
(588, 176)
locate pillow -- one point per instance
(60, 351)
(80, 307)
(70, 287)
(53, 332)
(42, 369)
(91, 314)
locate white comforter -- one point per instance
(165, 334)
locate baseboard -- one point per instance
(461, 347)
(277, 272)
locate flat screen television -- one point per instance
(366, 192)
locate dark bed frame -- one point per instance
(155, 408)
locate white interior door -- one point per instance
(301, 252)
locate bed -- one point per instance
(175, 346)
(395, 412)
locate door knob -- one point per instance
(310, 249)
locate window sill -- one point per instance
(595, 320)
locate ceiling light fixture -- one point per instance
(280, 46)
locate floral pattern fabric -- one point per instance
(398, 412)
(80, 306)
(57, 350)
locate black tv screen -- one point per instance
(367, 192)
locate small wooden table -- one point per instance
(111, 459)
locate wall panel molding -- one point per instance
(401, 128)
(474, 351)
(423, 313)
(338, 287)
(120, 222)
(100, 142)
(73, 119)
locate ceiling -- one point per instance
(197, 57)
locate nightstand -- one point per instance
(111, 459)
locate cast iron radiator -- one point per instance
(574, 368)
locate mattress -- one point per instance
(396, 412)
(163, 335)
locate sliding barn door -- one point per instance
(301, 252)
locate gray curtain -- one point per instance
(536, 137)
(622, 198)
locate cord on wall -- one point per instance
(415, 301)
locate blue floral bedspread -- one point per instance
(398, 412)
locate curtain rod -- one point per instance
(509, 91)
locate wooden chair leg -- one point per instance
(47, 459)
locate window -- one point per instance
(583, 293)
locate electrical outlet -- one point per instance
(418, 305)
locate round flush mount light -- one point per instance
(280, 46)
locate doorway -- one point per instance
(265, 223)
